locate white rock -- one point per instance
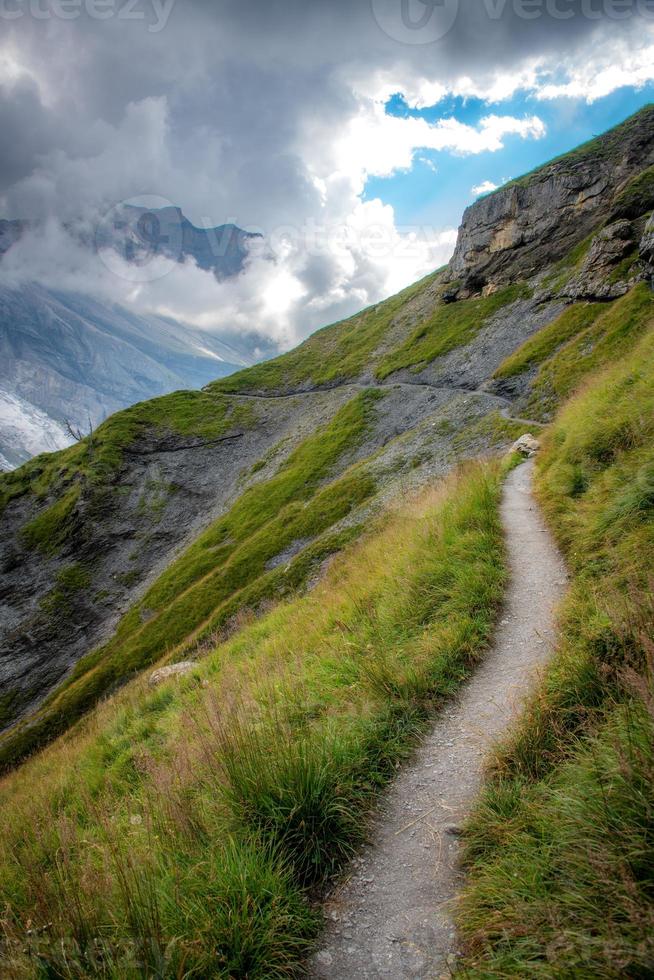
(172, 670)
(527, 445)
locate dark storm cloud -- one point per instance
(26, 128)
(239, 79)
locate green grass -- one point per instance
(489, 432)
(186, 827)
(546, 342)
(450, 325)
(70, 582)
(334, 354)
(12, 700)
(610, 335)
(561, 849)
(51, 528)
(222, 571)
(344, 350)
(562, 271)
(623, 270)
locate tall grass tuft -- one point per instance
(298, 794)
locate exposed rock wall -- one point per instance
(526, 226)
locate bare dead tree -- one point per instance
(77, 433)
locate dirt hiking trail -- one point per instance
(392, 917)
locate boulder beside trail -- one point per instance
(526, 445)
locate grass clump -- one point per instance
(491, 430)
(50, 529)
(637, 198)
(451, 325)
(72, 581)
(566, 267)
(560, 848)
(181, 830)
(543, 344)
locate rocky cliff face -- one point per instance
(522, 228)
(183, 512)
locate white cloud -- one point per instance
(615, 65)
(289, 287)
(614, 60)
(420, 92)
(374, 143)
(485, 187)
(335, 254)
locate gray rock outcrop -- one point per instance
(527, 225)
(594, 280)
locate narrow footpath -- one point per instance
(392, 917)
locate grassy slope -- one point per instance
(180, 829)
(224, 569)
(449, 326)
(546, 342)
(334, 354)
(613, 333)
(637, 198)
(583, 339)
(561, 846)
(344, 350)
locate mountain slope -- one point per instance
(26, 431)
(540, 223)
(275, 464)
(185, 827)
(73, 357)
(136, 232)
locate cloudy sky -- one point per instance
(352, 134)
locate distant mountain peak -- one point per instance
(137, 231)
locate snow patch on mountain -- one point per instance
(26, 431)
